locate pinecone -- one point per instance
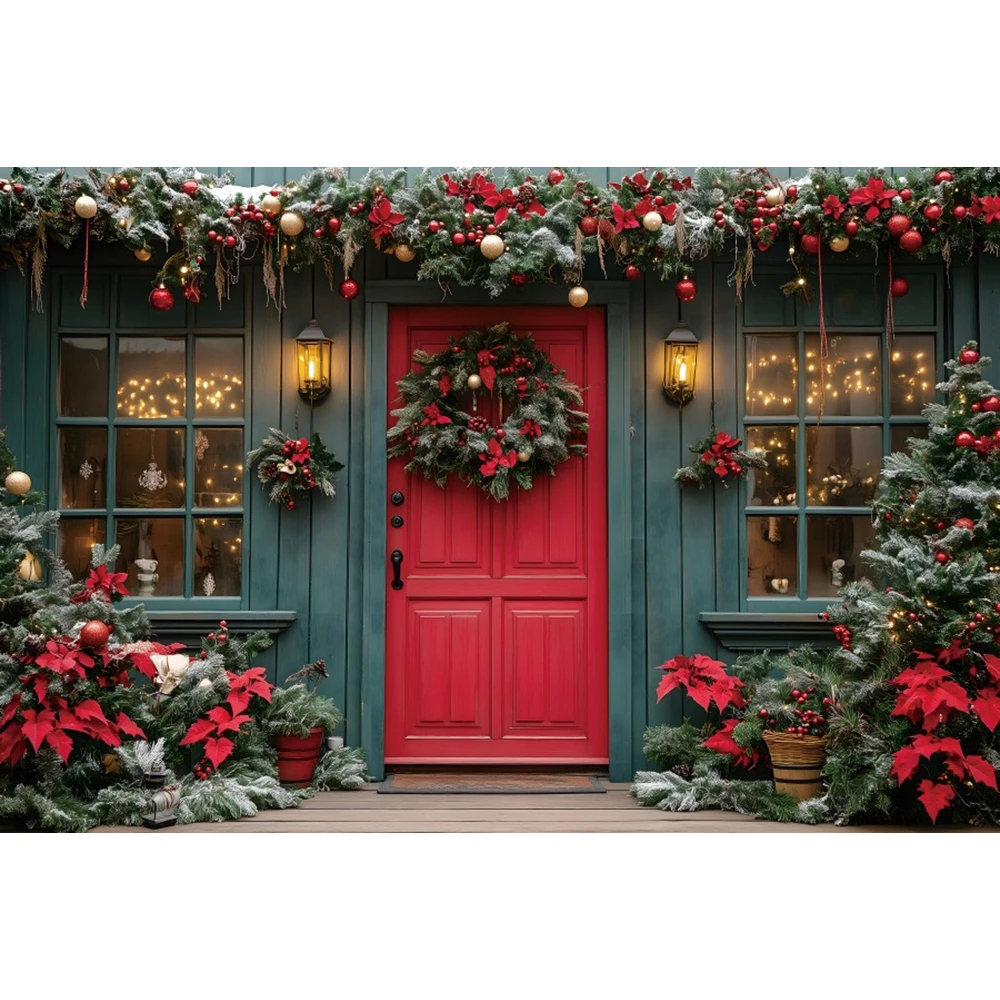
(34, 645)
(478, 424)
(682, 771)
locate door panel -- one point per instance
(496, 645)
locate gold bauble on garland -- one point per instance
(270, 203)
(85, 207)
(29, 568)
(143, 254)
(405, 253)
(17, 483)
(292, 223)
(578, 296)
(474, 381)
(492, 247)
(839, 244)
(774, 196)
(652, 221)
(524, 456)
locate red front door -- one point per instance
(497, 644)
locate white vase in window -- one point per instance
(147, 575)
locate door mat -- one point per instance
(489, 784)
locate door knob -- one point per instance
(397, 498)
(397, 562)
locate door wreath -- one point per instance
(441, 428)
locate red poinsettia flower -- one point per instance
(624, 218)
(530, 429)
(496, 459)
(976, 208)
(110, 583)
(875, 195)
(832, 205)
(667, 212)
(990, 208)
(433, 417)
(723, 742)
(383, 218)
(682, 185)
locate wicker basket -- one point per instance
(797, 763)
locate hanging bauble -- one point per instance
(474, 381)
(18, 483)
(556, 177)
(270, 203)
(190, 187)
(524, 456)
(810, 243)
(774, 197)
(292, 223)
(85, 207)
(333, 224)
(143, 254)
(588, 225)
(349, 288)
(29, 568)
(898, 224)
(966, 523)
(911, 241)
(492, 247)
(991, 404)
(942, 557)
(932, 211)
(94, 634)
(965, 439)
(968, 357)
(838, 244)
(405, 253)
(941, 176)
(652, 221)
(633, 273)
(606, 230)
(578, 296)
(686, 289)
(899, 287)
(161, 299)
(851, 227)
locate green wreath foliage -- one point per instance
(534, 422)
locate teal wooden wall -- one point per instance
(686, 552)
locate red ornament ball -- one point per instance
(161, 299)
(605, 230)
(965, 439)
(959, 211)
(900, 286)
(588, 225)
(851, 227)
(942, 557)
(906, 194)
(333, 224)
(518, 279)
(230, 241)
(686, 290)
(796, 225)
(932, 211)
(349, 289)
(433, 226)
(458, 239)
(556, 177)
(810, 243)
(965, 522)
(94, 634)
(123, 185)
(791, 192)
(941, 176)
(318, 233)
(898, 224)
(968, 357)
(911, 241)
(991, 404)
(190, 187)
(975, 407)
(290, 503)
(633, 273)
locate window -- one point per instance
(149, 454)
(807, 516)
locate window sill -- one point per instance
(746, 631)
(191, 626)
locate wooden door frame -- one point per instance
(626, 608)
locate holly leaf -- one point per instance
(60, 742)
(218, 749)
(934, 797)
(982, 771)
(127, 726)
(198, 731)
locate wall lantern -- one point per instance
(314, 362)
(680, 363)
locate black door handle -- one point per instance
(397, 562)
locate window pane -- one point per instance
(83, 460)
(218, 377)
(772, 556)
(842, 465)
(76, 537)
(899, 433)
(149, 467)
(83, 377)
(152, 377)
(772, 375)
(218, 467)
(218, 556)
(774, 485)
(834, 545)
(912, 372)
(152, 555)
(853, 376)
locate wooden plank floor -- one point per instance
(365, 811)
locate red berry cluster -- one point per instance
(755, 201)
(810, 721)
(478, 424)
(204, 769)
(843, 634)
(518, 363)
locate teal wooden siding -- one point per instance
(685, 547)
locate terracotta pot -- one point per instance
(298, 756)
(797, 763)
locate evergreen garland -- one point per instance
(522, 419)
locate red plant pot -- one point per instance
(298, 756)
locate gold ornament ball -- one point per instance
(775, 196)
(839, 244)
(292, 223)
(85, 207)
(270, 203)
(29, 568)
(143, 254)
(652, 221)
(492, 247)
(524, 456)
(18, 483)
(475, 381)
(405, 253)
(578, 296)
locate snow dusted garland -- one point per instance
(293, 467)
(491, 408)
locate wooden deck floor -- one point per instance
(366, 811)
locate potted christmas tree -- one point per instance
(297, 720)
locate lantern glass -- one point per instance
(315, 362)
(680, 364)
